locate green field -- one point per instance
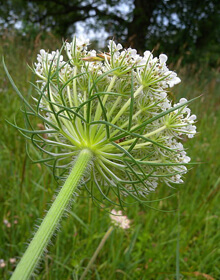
(179, 241)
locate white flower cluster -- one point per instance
(48, 63)
(130, 93)
(182, 122)
(160, 77)
(119, 220)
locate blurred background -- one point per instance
(179, 244)
(187, 30)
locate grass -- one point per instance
(151, 249)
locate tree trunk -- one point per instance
(137, 28)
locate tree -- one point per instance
(179, 26)
(62, 15)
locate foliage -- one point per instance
(182, 27)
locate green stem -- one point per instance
(155, 131)
(28, 262)
(69, 96)
(145, 135)
(100, 131)
(138, 146)
(74, 88)
(121, 126)
(126, 105)
(76, 103)
(66, 123)
(114, 106)
(97, 251)
(99, 108)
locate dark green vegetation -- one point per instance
(148, 249)
(177, 27)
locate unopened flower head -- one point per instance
(115, 104)
(119, 220)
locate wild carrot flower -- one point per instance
(116, 105)
(119, 220)
(109, 112)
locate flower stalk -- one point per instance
(26, 266)
(101, 244)
(117, 220)
(125, 106)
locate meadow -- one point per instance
(177, 240)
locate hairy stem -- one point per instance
(26, 266)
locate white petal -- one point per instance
(163, 58)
